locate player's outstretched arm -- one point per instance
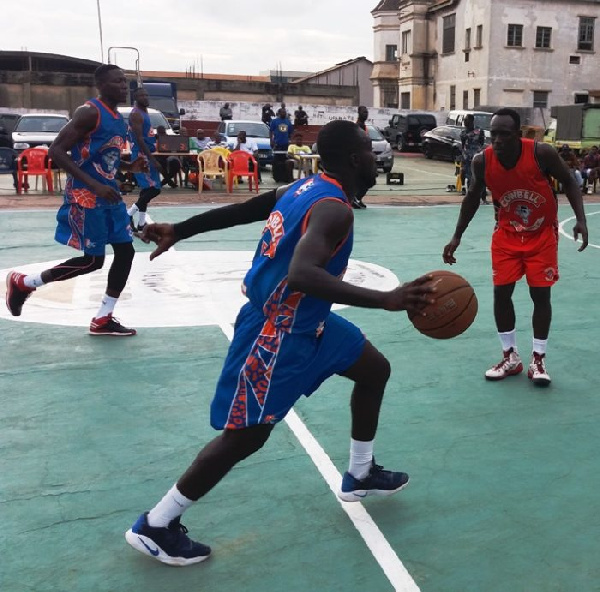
(552, 164)
(329, 225)
(469, 206)
(252, 210)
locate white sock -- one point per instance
(33, 281)
(142, 218)
(361, 458)
(171, 506)
(508, 340)
(540, 345)
(108, 305)
(132, 210)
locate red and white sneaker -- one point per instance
(510, 365)
(16, 292)
(537, 370)
(108, 325)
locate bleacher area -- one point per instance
(309, 132)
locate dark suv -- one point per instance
(405, 130)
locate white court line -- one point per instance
(382, 551)
(561, 229)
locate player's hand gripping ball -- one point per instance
(454, 309)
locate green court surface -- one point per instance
(504, 477)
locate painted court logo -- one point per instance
(178, 289)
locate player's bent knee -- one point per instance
(247, 441)
(94, 262)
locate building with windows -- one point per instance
(467, 54)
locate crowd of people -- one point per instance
(585, 168)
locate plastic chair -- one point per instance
(239, 166)
(37, 164)
(211, 164)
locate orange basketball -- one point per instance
(454, 309)
(193, 178)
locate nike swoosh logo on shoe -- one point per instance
(153, 552)
(360, 494)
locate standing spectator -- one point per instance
(361, 122)
(267, 114)
(300, 117)
(590, 167)
(281, 131)
(363, 115)
(282, 106)
(472, 140)
(225, 112)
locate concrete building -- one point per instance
(467, 54)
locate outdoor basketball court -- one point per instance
(93, 431)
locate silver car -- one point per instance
(381, 148)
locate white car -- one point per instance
(37, 129)
(255, 130)
(381, 148)
(156, 118)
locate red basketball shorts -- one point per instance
(515, 255)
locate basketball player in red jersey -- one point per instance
(525, 238)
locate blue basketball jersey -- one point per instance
(148, 133)
(99, 154)
(265, 283)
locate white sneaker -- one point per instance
(537, 370)
(509, 366)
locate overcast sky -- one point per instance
(218, 36)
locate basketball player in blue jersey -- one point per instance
(93, 213)
(286, 340)
(143, 138)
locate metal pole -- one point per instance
(100, 29)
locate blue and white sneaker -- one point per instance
(170, 545)
(377, 482)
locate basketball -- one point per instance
(193, 178)
(454, 309)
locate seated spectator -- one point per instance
(300, 117)
(590, 167)
(294, 152)
(572, 162)
(217, 141)
(200, 142)
(250, 146)
(171, 165)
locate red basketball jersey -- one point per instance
(522, 195)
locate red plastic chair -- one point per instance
(239, 166)
(37, 164)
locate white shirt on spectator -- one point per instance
(249, 146)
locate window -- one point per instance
(540, 98)
(467, 39)
(476, 98)
(391, 53)
(543, 37)
(574, 59)
(405, 42)
(515, 36)
(585, 39)
(449, 33)
(479, 37)
(405, 100)
(581, 98)
(389, 93)
(452, 97)
(465, 99)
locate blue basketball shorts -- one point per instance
(91, 229)
(150, 178)
(267, 370)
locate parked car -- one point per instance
(443, 142)
(156, 118)
(37, 129)
(381, 148)
(483, 120)
(406, 129)
(256, 130)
